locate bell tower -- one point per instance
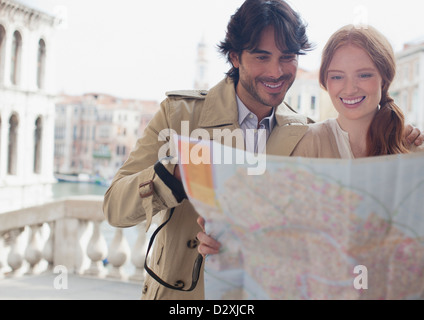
(201, 81)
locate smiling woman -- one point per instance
(357, 69)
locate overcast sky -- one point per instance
(143, 48)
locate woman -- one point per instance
(357, 69)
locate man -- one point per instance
(263, 42)
(264, 39)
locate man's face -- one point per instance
(266, 74)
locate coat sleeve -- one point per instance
(136, 192)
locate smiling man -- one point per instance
(265, 74)
(262, 44)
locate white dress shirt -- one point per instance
(255, 135)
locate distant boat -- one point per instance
(80, 177)
(102, 181)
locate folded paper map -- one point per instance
(310, 228)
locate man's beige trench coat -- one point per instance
(175, 247)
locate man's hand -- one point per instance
(207, 245)
(414, 135)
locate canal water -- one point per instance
(66, 189)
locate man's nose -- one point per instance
(276, 70)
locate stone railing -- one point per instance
(70, 233)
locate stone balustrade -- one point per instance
(70, 233)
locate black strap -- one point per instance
(171, 182)
(199, 260)
(196, 268)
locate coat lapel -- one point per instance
(219, 115)
(220, 108)
(289, 130)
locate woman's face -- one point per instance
(354, 84)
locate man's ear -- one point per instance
(235, 59)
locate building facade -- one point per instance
(305, 94)
(95, 133)
(408, 87)
(26, 105)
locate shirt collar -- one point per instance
(244, 112)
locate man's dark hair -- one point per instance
(246, 25)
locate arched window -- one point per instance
(41, 63)
(2, 46)
(13, 145)
(16, 58)
(38, 144)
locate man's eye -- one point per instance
(262, 58)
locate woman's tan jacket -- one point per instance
(319, 142)
(137, 194)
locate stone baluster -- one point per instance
(97, 252)
(33, 251)
(15, 258)
(119, 252)
(66, 243)
(138, 254)
(2, 254)
(48, 252)
(81, 259)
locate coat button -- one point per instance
(145, 289)
(192, 244)
(179, 284)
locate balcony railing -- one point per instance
(70, 233)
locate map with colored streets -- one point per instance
(311, 228)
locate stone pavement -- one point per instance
(42, 287)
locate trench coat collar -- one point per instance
(220, 107)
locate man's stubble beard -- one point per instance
(252, 89)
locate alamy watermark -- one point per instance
(227, 150)
(360, 16)
(61, 17)
(60, 282)
(361, 280)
